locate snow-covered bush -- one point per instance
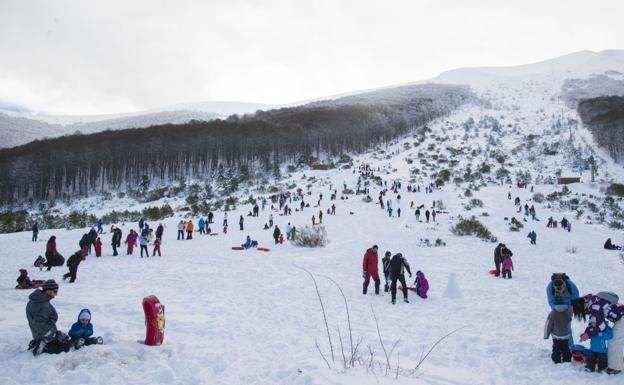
(475, 203)
(538, 198)
(311, 236)
(571, 249)
(472, 227)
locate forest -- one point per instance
(604, 116)
(82, 165)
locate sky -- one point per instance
(98, 57)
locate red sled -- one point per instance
(154, 320)
(263, 249)
(238, 248)
(409, 288)
(492, 272)
(579, 357)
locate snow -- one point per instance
(252, 317)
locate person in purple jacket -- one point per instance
(601, 308)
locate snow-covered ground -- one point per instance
(252, 317)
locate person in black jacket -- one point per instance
(386, 270)
(72, 263)
(93, 235)
(159, 231)
(498, 258)
(35, 232)
(397, 268)
(116, 240)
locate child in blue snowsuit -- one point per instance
(81, 332)
(597, 359)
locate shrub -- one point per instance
(475, 203)
(616, 225)
(538, 198)
(472, 227)
(445, 175)
(440, 205)
(616, 189)
(468, 193)
(308, 236)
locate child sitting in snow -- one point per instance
(422, 285)
(557, 325)
(81, 332)
(507, 266)
(24, 282)
(597, 359)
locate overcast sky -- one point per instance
(91, 57)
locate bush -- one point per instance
(445, 175)
(157, 213)
(475, 203)
(472, 227)
(616, 225)
(440, 205)
(538, 198)
(12, 221)
(467, 193)
(314, 236)
(616, 189)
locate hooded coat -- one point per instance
(78, 330)
(41, 315)
(422, 285)
(398, 265)
(370, 262)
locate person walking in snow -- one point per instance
(225, 219)
(313, 220)
(241, 220)
(131, 241)
(100, 224)
(532, 236)
(72, 263)
(417, 213)
(320, 216)
(370, 269)
(98, 247)
(385, 263)
(189, 229)
(427, 214)
(159, 232)
(201, 224)
(398, 265)
(507, 266)
(288, 231)
(141, 224)
(276, 234)
(498, 258)
(557, 326)
(35, 231)
(143, 242)
(433, 214)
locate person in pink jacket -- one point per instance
(507, 266)
(422, 285)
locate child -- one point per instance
(422, 285)
(143, 242)
(82, 331)
(24, 282)
(156, 247)
(72, 263)
(598, 346)
(98, 247)
(557, 326)
(507, 266)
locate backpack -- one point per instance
(39, 262)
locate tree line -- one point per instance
(81, 165)
(604, 116)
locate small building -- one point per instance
(568, 179)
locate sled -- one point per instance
(400, 288)
(263, 249)
(579, 353)
(492, 272)
(154, 320)
(36, 284)
(213, 234)
(238, 248)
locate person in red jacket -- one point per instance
(98, 247)
(370, 269)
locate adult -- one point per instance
(35, 232)
(42, 317)
(92, 238)
(560, 292)
(181, 230)
(601, 308)
(159, 232)
(201, 224)
(53, 258)
(210, 217)
(610, 246)
(241, 220)
(397, 268)
(141, 224)
(72, 263)
(116, 240)
(189, 229)
(498, 258)
(100, 223)
(276, 234)
(370, 269)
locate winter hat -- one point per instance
(50, 284)
(23, 271)
(84, 314)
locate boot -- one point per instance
(386, 288)
(364, 289)
(99, 340)
(405, 300)
(377, 288)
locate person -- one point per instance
(288, 230)
(24, 281)
(276, 234)
(313, 220)
(98, 247)
(507, 266)
(72, 263)
(509, 195)
(181, 230)
(427, 213)
(189, 229)
(558, 327)
(247, 244)
(141, 223)
(320, 216)
(156, 247)
(597, 359)
(370, 269)
(422, 285)
(159, 231)
(225, 218)
(615, 353)
(532, 236)
(92, 236)
(564, 223)
(81, 331)
(397, 268)
(143, 242)
(560, 292)
(201, 224)
(417, 213)
(35, 231)
(131, 241)
(53, 258)
(498, 258)
(551, 221)
(116, 239)
(42, 318)
(100, 223)
(241, 221)
(433, 214)
(271, 220)
(610, 246)
(385, 262)
(83, 243)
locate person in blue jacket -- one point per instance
(597, 359)
(560, 293)
(202, 225)
(81, 332)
